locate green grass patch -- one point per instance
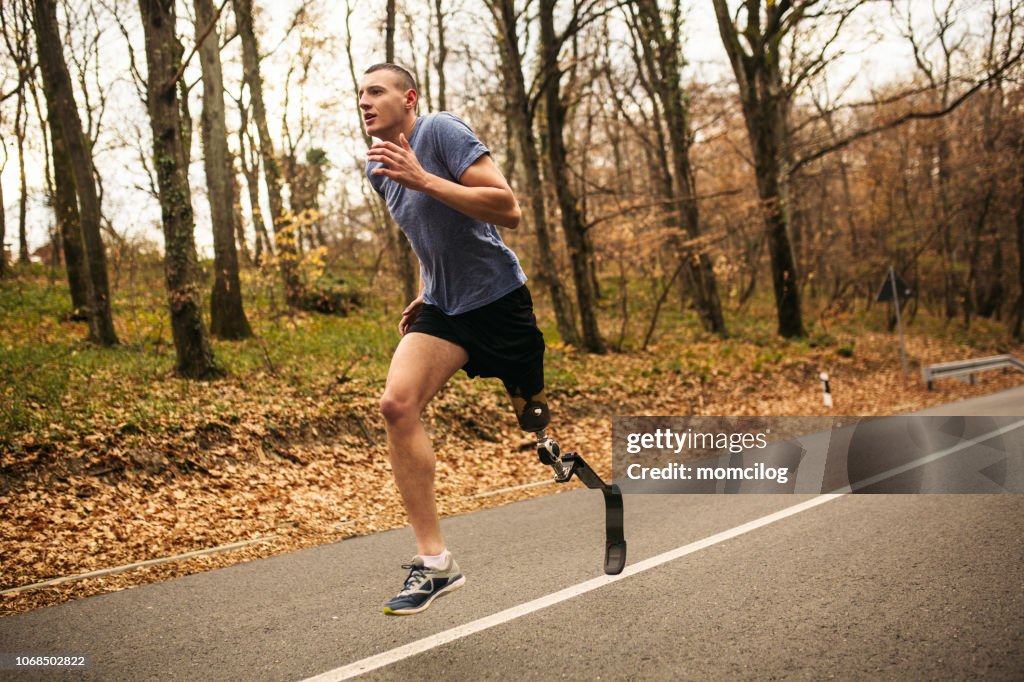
(58, 387)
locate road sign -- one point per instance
(893, 283)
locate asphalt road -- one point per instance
(848, 586)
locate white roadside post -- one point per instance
(826, 393)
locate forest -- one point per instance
(199, 289)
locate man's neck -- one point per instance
(407, 127)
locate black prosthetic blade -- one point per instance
(614, 533)
(615, 540)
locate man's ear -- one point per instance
(411, 98)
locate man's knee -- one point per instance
(397, 408)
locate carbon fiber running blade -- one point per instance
(615, 540)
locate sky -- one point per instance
(873, 55)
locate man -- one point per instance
(474, 311)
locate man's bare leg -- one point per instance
(421, 366)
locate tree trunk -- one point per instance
(773, 203)
(521, 123)
(581, 251)
(3, 230)
(56, 243)
(306, 182)
(397, 246)
(663, 59)
(57, 83)
(442, 55)
(1018, 317)
(389, 32)
(284, 229)
(65, 208)
(236, 217)
(404, 257)
(985, 281)
(979, 278)
(402, 249)
(21, 114)
(186, 119)
(764, 102)
(991, 294)
(951, 279)
(250, 169)
(227, 315)
(163, 56)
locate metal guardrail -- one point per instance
(968, 368)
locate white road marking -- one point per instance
(427, 643)
(397, 654)
(138, 564)
(524, 486)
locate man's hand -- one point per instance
(400, 163)
(409, 315)
(480, 193)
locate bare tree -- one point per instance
(227, 315)
(442, 56)
(754, 40)
(957, 216)
(553, 143)
(249, 159)
(284, 229)
(305, 178)
(20, 116)
(163, 55)
(236, 213)
(3, 217)
(14, 22)
(1017, 329)
(519, 113)
(939, 74)
(397, 244)
(389, 32)
(403, 249)
(53, 231)
(65, 208)
(57, 84)
(662, 57)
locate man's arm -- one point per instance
(481, 192)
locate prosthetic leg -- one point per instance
(533, 416)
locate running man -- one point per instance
(474, 311)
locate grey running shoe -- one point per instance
(423, 586)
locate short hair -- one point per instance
(408, 82)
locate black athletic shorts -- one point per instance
(501, 338)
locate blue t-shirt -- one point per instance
(464, 263)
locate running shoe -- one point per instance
(423, 586)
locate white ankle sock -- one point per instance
(437, 561)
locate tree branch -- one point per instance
(195, 48)
(906, 118)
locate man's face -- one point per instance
(384, 103)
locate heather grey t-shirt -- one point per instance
(464, 263)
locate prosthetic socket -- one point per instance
(531, 411)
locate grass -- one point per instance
(59, 388)
(52, 377)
